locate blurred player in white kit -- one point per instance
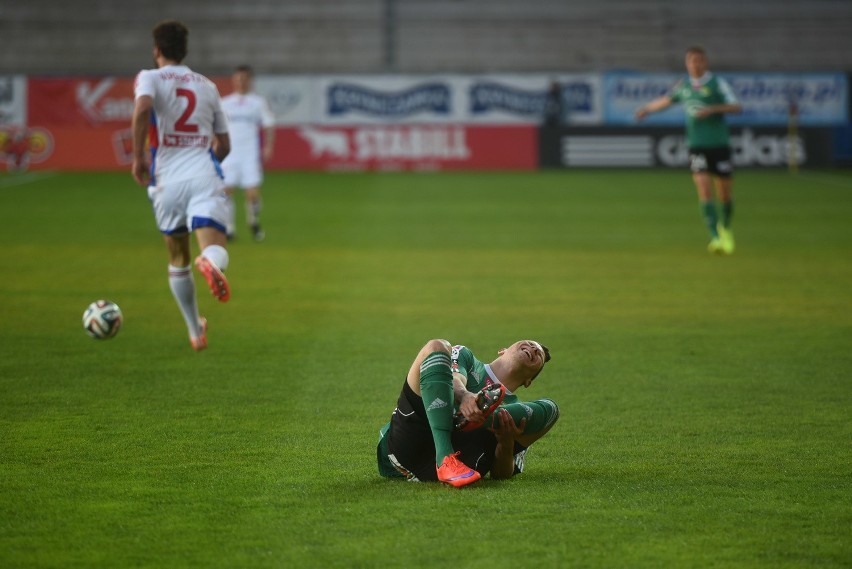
(180, 114)
(248, 117)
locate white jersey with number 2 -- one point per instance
(188, 111)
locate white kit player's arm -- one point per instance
(221, 139)
(268, 123)
(141, 120)
(221, 145)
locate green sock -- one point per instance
(727, 213)
(539, 414)
(708, 211)
(436, 389)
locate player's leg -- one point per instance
(170, 205)
(207, 212)
(704, 187)
(252, 179)
(232, 179)
(182, 286)
(213, 260)
(699, 165)
(410, 448)
(539, 416)
(431, 377)
(724, 191)
(254, 204)
(231, 214)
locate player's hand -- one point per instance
(470, 409)
(141, 171)
(505, 428)
(641, 113)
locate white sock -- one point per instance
(218, 255)
(183, 289)
(231, 213)
(253, 211)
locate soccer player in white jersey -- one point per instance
(180, 113)
(248, 116)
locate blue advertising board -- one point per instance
(821, 99)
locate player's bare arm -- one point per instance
(268, 143)
(140, 122)
(505, 431)
(221, 145)
(654, 106)
(466, 400)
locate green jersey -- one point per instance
(695, 94)
(477, 374)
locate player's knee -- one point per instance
(555, 408)
(437, 345)
(551, 411)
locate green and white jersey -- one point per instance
(476, 373)
(695, 94)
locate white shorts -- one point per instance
(242, 172)
(185, 206)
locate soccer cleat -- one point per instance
(200, 343)
(488, 399)
(715, 246)
(257, 232)
(215, 278)
(726, 237)
(456, 473)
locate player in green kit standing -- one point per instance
(449, 423)
(707, 99)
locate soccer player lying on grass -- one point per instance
(458, 419)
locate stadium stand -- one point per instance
(423, 36)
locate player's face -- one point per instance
(529, 354)
(696, 64)
(242, 82)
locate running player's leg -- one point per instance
(213, 260)
(724, 192)
(704, 187)
(233, 175)
(207, 214)
(699, 165)
(170, 206)
(182, 286)
(254, 204)
(726, 199)
(231, 214)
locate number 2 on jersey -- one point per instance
(183, 124)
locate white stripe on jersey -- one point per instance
(727, 91)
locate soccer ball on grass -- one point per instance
(102, 319)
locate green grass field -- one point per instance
(705, 401)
